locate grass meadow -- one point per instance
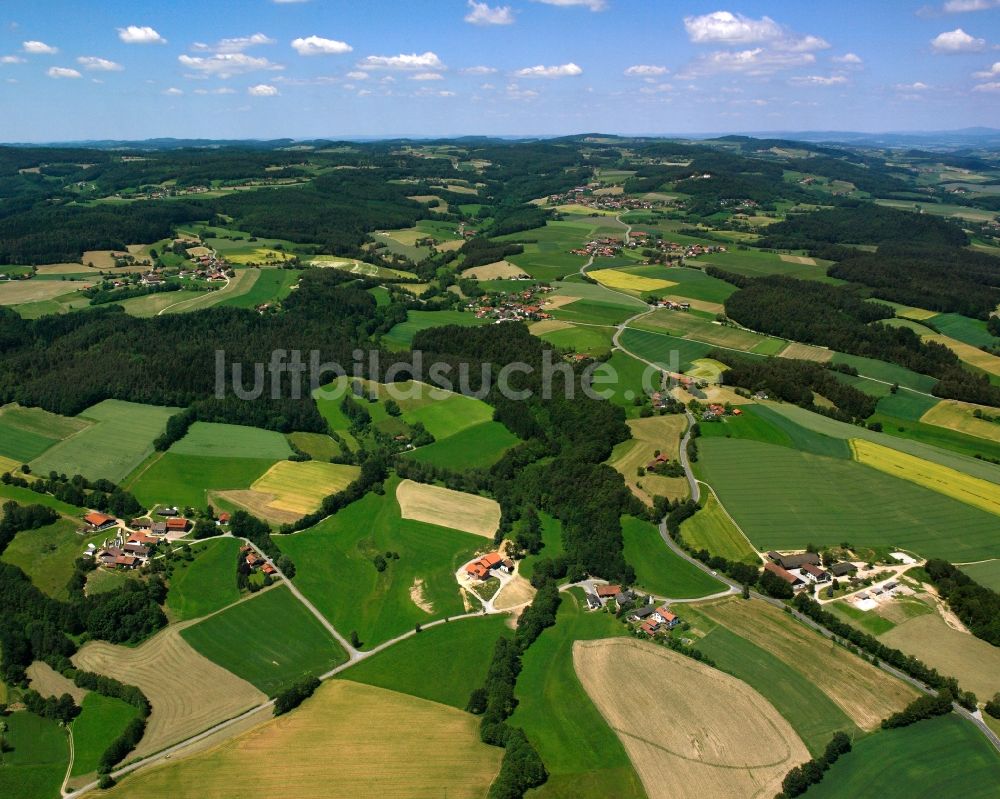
(206, 584)
(47, 555)
(176, 479)
(476, 447)
(450, 415)
(36, 759)
(25, 433)
(670, 352)
(270, 641)
(401, 336)
(658, 569)
(271, 285)
(231, 441)
(711, 529)
(986, 573)
(102, 719)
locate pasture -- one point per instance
(206, 584)
(944, 756)
(652, 435)
(154, 304)
(174, 479)
(270, 640)
(757, 263)
(188, 692)
(696, 328)
(25, 433)
(476, 447)
(973, 661)
(584, 757)
(447, 508)
(952, 483)
(28, 497)
(962, 328)
(409, 747)
(36, 758)
(669, 352)
(231, 441)
(862, 691)
(886, 372)
(334, 568)
(47, 555)
(101, 720)
(986, 573)
(678, 728)
(457, 654)
(401, 336)
(319, 445)
(658, 569)
(790, 498)
(289, 489)
(450, 415)
(563, 335)
(119, 439)
(711, 529)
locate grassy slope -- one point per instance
(177, 479)
(938, 757)
(474, 447)
(675, 354)
(987, 573)
(658, 569)
(271, 641)
(232, 441)
(457, 654)
(35, 766)
(551, 545)
(47, 554)
(711, 529)
(335, 570)
(583, 755)
(401, 336)
(451, 415)
(206, 584)
(102, 720)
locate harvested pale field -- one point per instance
(8, 465)
(864, 692)
(706, 369)
(969, 354)
(419, 597)
(449, 246)
(548, 326)
(916, 314)
(952, 483)
(348, 740)
(188, 692)
(198, 252)
(698, 305)
(805, 260)
(609, 191)
(654, 433)
(49, 682)
(495, 271)
(691, 731)
(447, 508)
(717, 394)
(956, 415)
(255, 502)
(974, 662)
(300, 487)
(102, 259)
(623, 281)
(806, 352)
(17, 292)
(66, 269)
(559, 301)
(515, 593)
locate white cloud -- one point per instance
(95, 64)
(657, 88)
(140, 34)
(220, 90)
(956, 41)
(413, 61)
(961, 6)
(173, 91)
(848, 58)
(235, 45)
(62, 72)
(11, 59)
(317, 45)
(560, 71)
(725, 27)
(427, 76)
(819, 80)
(645, 70)
(225, 65)
(39, 48)
(515, 92)
(357, 75)
(484, 14)
(263, 90)
(755, 62)
(593, 5)
(479, 70)
(988, 73)
(992, 86)
(918, 86)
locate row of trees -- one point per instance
(976, 605)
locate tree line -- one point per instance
(976, 605)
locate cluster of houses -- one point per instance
(130, 546)
(586, 196)
(649, 617)
(483, 568)
(256, 562)
(603, 247)
(517, 306)
(804, 569)
(671, 305)
(715, 411)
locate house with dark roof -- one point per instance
(797, 561)
(640, 614)
(843, 569)
(593, 601)
(814, 573)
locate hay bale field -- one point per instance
(622, 281)
(678, 728)
(495, 271)
(289, 490)
(806, 352)
(956, 415)
(49, 682)
(654, 433)
(974, 662)
(188, 692)
(348, 740)
(18, 292)
(865, 693)
(950, 482)
(447, 508)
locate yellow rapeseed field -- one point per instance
(623, 281)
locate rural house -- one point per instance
(784, 574)
(641, 614)
(606, 592)
(662, 615)
(177, 525)
(99, 521)
(794, 561)
(480, 569)
(843, 569)
(814, 573)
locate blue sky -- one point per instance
(130, 69)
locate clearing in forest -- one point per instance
(446, 508)
(678, 727)
(649, 436)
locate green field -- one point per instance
(36, 759)
(583, 755)
(757, 263)
(232, 441)
(869, 621)
(987, 573)
(785, 499)
(962, 328)
(658, 569)
(674, 354)
(270, 640)
(888, 372)
(119, 440)
(474, 447)
(176, 479)
(319, 445)
(590, 340)
(457, 654)
(941, 757)
(28, 497)
(692, 283)
(450, 415)
(711, 529)
(905, 405)
(552, 545)
(47, 555)
(152, 304)
(629, 374)
(208, 583)
(334, 568)
(25, 433)
(101, 720)
(812, 714)
(401, 336)
(762, 423)
(271, 285)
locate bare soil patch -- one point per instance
(806, 352)
(515, 593)
(447, 508)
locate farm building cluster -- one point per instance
(602, 247)
(641, 611)
(516, 306)
(805, 570)
(482, 568)
(588, 197)
(129, 545)
(257, 562)
(714, 412)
